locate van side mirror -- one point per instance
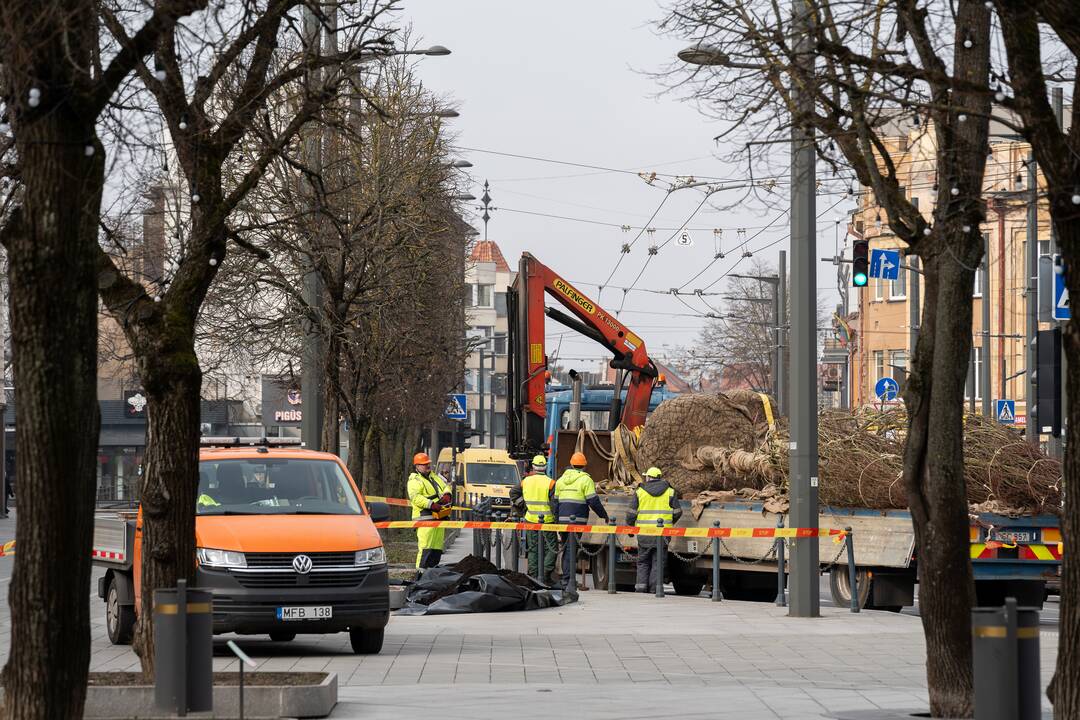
(380, 511)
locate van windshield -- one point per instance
(274, 487)
(491, 474)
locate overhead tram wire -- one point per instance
(653, 251)
(589, 166)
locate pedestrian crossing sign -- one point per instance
(1006, 412)
(455, 407)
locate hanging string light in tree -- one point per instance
(968, 41)
(34, 97)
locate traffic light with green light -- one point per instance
(860, 264)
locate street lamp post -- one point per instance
(804, 564)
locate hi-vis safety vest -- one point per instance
(574, 486)
(425, 490)
(655, 507)
(535, 491)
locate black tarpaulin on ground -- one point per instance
(443, 591)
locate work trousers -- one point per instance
(428, 559)
(533, 538)
(569, 561)
(646, 563)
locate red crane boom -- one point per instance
(528, 358)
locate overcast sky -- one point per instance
(568, 80)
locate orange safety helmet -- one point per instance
(578, 460)
(421, 459)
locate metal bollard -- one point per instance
(541, 575)
(661, 549)
(474, 515)
(1005, 645)
(613, 559)
(498, 548)
(849, 539)
(716, 565)
(515, 546)
(184, 650)
(571, 538)
(781, 589)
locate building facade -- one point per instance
(487, 276)
(880, 321)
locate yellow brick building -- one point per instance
(880, 319)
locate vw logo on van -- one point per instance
(301, 564)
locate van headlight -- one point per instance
(370, 558)
(220, 558)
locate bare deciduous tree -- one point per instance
(212, 79)
(874, 67)
(58, 75)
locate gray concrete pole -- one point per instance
(491, 391)
(311, 386)
(805, 569)
(782, 378)
(984, 369)
(481, 418)
(914, 312)
(1031, 314)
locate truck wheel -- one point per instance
(685, 580)
(366, 642)
(840, 586)
(282, 635)
(119, 619)
(599, 565)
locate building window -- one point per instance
(879, 366)
(499, 343)
(879, 289)
(974, 381)
(979, 281)
(1044, 247)
(483, 296)
(470, 379)
(898, 287)
(500, 304)
(897, 362)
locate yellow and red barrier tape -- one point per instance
(699, 532)
(7, 548)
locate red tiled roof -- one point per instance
(488, 252)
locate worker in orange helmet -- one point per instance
(429, 497)
(575, 495)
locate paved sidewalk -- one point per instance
(613, 656)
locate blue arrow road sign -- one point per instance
(1062, 309)
(885, 264)
(1005, 411)
(455, 407)
(887, 389)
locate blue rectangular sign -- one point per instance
(1005, 411)
(1062, 308)
(456, 408)
(885, 264)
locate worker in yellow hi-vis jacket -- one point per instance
(653, 500)
(429, 496)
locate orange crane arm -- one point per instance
(528, 361)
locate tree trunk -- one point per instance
(934, 478)
(355, 460)
(52, 245)
(373, 480)
(331, 434)
(1064, 690)
(172, 381)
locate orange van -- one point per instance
(286, 543)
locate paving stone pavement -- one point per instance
(607, 656)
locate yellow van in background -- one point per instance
(481, 473)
